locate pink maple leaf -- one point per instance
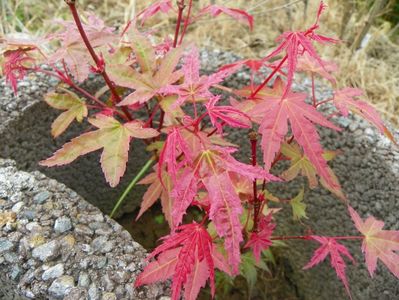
(377, 243)
(260, 240)
(302, 117)
(237, 14)
(344, 100)
(307, 63)
(225, 212)
(73, 50)
(227, 114)
(225, 161)
(175, 144)
(329, 246)
(195, 87)
(296, 43)
(15, 66)
(183, 194)
(156, 191)
(194, 246)
(163, 6)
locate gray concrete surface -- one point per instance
(25, 123)
(55, 245)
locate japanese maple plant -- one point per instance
(156, 93)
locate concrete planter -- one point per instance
(53, 244)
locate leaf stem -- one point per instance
(308, 237)
(253, 138)
(71, 84)
(131, 185)
(99, 64)
(186, 21)
(181, 6)
(268, 78)
(324, 102)
(313, 92)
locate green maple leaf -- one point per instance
(298, 207)
(74, 108)
(112, 136)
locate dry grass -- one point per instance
(374, 68)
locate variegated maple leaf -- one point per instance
(184, 191)
(237, 14)
(329, 246)
(156, 191)
(73, 51)
(300, 164)
(296, 43)
(227, 114)
(277, 110)
(174, 145)
(307, 63)
(195, 87)
(192, 246)
(377, 243)
(224, 161)
(163, 6)
(112, 136)
(260, 240)
(15, 66)
(149, 82)
(344, 100)
(225, 213)
(74, 108)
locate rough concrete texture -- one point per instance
(25, 122)
(55, 245)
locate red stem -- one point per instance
(253, 138)
(161, 119)
(186, 22)
(308, 237)
(268, 77)
(181, 7)
(313, 92)
(69, 82)
(99, 64)
(323, 102)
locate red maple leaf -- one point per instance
(163, 6)
(260, 240)
(296, 43)
(237, 14)
(155, 191)
(228, 114)
(225, 212)
(195, 87)
(73, 50)
(183, 194)
(175, 144)
(15, 66)
(192, 246)
(301, 116)
(329, 246)
(345, 100)
(377, 243)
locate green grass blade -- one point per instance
(131, 185)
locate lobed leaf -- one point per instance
(75, 109)
(112, 136)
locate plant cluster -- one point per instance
(155, 92)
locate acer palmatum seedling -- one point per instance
(185, 132)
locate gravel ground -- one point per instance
(55, 245)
